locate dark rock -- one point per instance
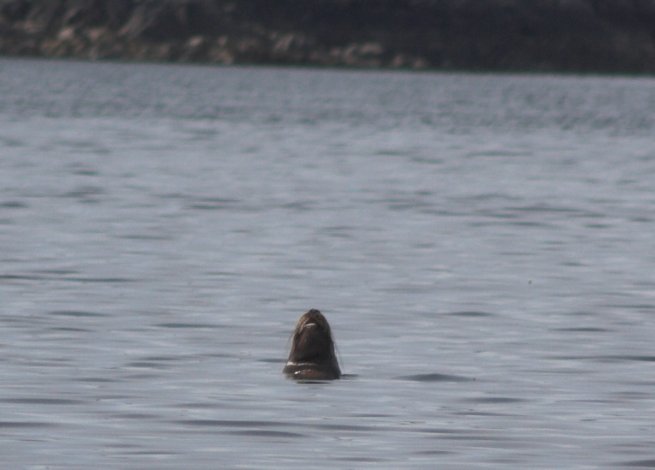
(205, 18)
(45, 17)
(155, 20)
(89, 13)
(547, 35)
(15, 10)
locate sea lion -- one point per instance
(312, 355)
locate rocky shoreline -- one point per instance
(607, 36)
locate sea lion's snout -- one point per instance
(312, 353)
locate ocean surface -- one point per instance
(482, 245)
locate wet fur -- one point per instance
(312, 353)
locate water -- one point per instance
(481, 244)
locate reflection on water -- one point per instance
(482, 246)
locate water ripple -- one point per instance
(435, 378)
(41, 401)
(26, 424)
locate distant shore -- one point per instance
(589, 36)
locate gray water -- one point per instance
(482, 245)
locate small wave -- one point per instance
(435, 378)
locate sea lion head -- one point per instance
(312, 353)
